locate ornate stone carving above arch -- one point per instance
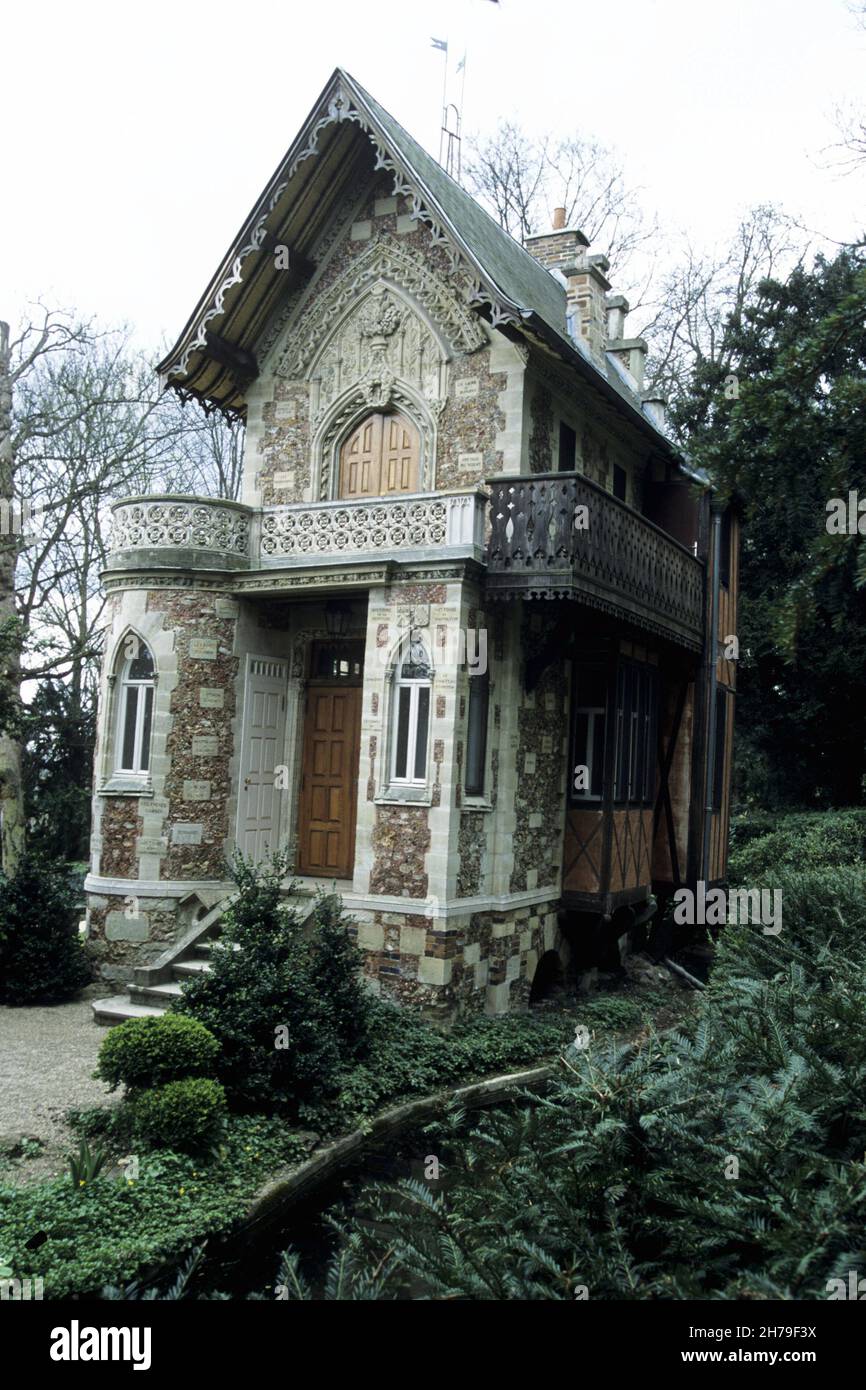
(407, 273)
(380, 341)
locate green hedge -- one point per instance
(800, 841)
(42, 960)
(287, 1007)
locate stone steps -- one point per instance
(154, 988)
(190, 968)
(120, 1007)
(160, 995)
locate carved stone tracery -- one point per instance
(157, 523)
(384, 263)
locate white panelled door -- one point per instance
(264, 725)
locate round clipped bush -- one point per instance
(146, 1052)
(185, 1115)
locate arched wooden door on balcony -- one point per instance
(380, 457)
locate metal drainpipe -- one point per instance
(712, 656)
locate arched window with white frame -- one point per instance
(411, 715)
(135, 708)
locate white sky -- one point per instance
(137, 138)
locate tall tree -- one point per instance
(520, 179)
(81, 425)
(789, 441)
(51, 334)
(699, 303)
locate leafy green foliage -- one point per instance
(86, 1165)
(57, 761)
(807, 841)
(145, 1052)
(407, 1057)
(41, 957)
(790, 440)
(724, 1160)
(120, 1230)
(286, 1003)
(177, 1288)
(182, 1115)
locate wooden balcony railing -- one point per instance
(560, 535)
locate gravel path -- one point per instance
(47, 1057)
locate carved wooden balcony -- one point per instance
(558, 535)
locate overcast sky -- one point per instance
(138, 137)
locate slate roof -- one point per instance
(518, 275)
(247, 289)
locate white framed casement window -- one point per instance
(410, 733)
(135, 712)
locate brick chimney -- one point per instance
(566, 251)
(559, 248)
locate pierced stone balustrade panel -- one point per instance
(184, 531)
(381, 526)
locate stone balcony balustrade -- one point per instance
(214, 534)
(180, 532)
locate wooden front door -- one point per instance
(380, 457)
(332, 732)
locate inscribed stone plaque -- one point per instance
(119, 927)
(203, 648)
(154, 806)
(186, 833)
(196, 791)
(205, 746)
(465, 390)
(150, 844)
(210, 697)
(283, 479)
(470, 460)
(225, 608)
(285, 410)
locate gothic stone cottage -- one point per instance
(460, 646)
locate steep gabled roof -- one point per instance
(522, 283)
(214, 359)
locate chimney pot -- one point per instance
(558, 219)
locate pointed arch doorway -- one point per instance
(380, 457)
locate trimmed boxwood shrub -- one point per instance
(146, 1052)
(42, 960)
(183, 1115)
